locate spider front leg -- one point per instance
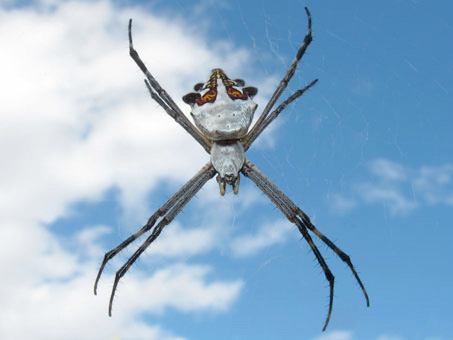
(257, 128)
(163, 98)
(167, 213)
(251, 137)
(295, 215)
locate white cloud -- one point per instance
(389, 189)
(389, 196)
(341, 204)
(169, 287)
(435, 184)
(336, 335)
(86, 240)
(76, 313)
(388, 170)
(269, 234)
(75, 122)
(399, 188)
(177, 241)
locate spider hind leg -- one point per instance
(166, 213)
(294, 214)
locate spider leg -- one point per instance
(284, 82)
(163, 98)
(341, 254)
(179, 119)
(250, 138)
(298, 217)
(168, 212)
(152, 220)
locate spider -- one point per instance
(223, 110)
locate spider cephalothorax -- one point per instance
(223, 111)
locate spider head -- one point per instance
(222, 108)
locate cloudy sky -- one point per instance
(87, 157)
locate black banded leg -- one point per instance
(170, 106)
(271, 191)
(187, 189)
(297, 216)
(289, 74)
(329, 276)
(341, 254)
(206, 175)
(254, 134)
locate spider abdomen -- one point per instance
(222, 108)
(225, 118)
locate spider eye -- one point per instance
(191, 98)
(250, 91)
(198, 87)
(239, 82)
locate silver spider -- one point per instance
(223, 110)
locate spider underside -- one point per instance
(223, 114)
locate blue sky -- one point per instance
(87, 157)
